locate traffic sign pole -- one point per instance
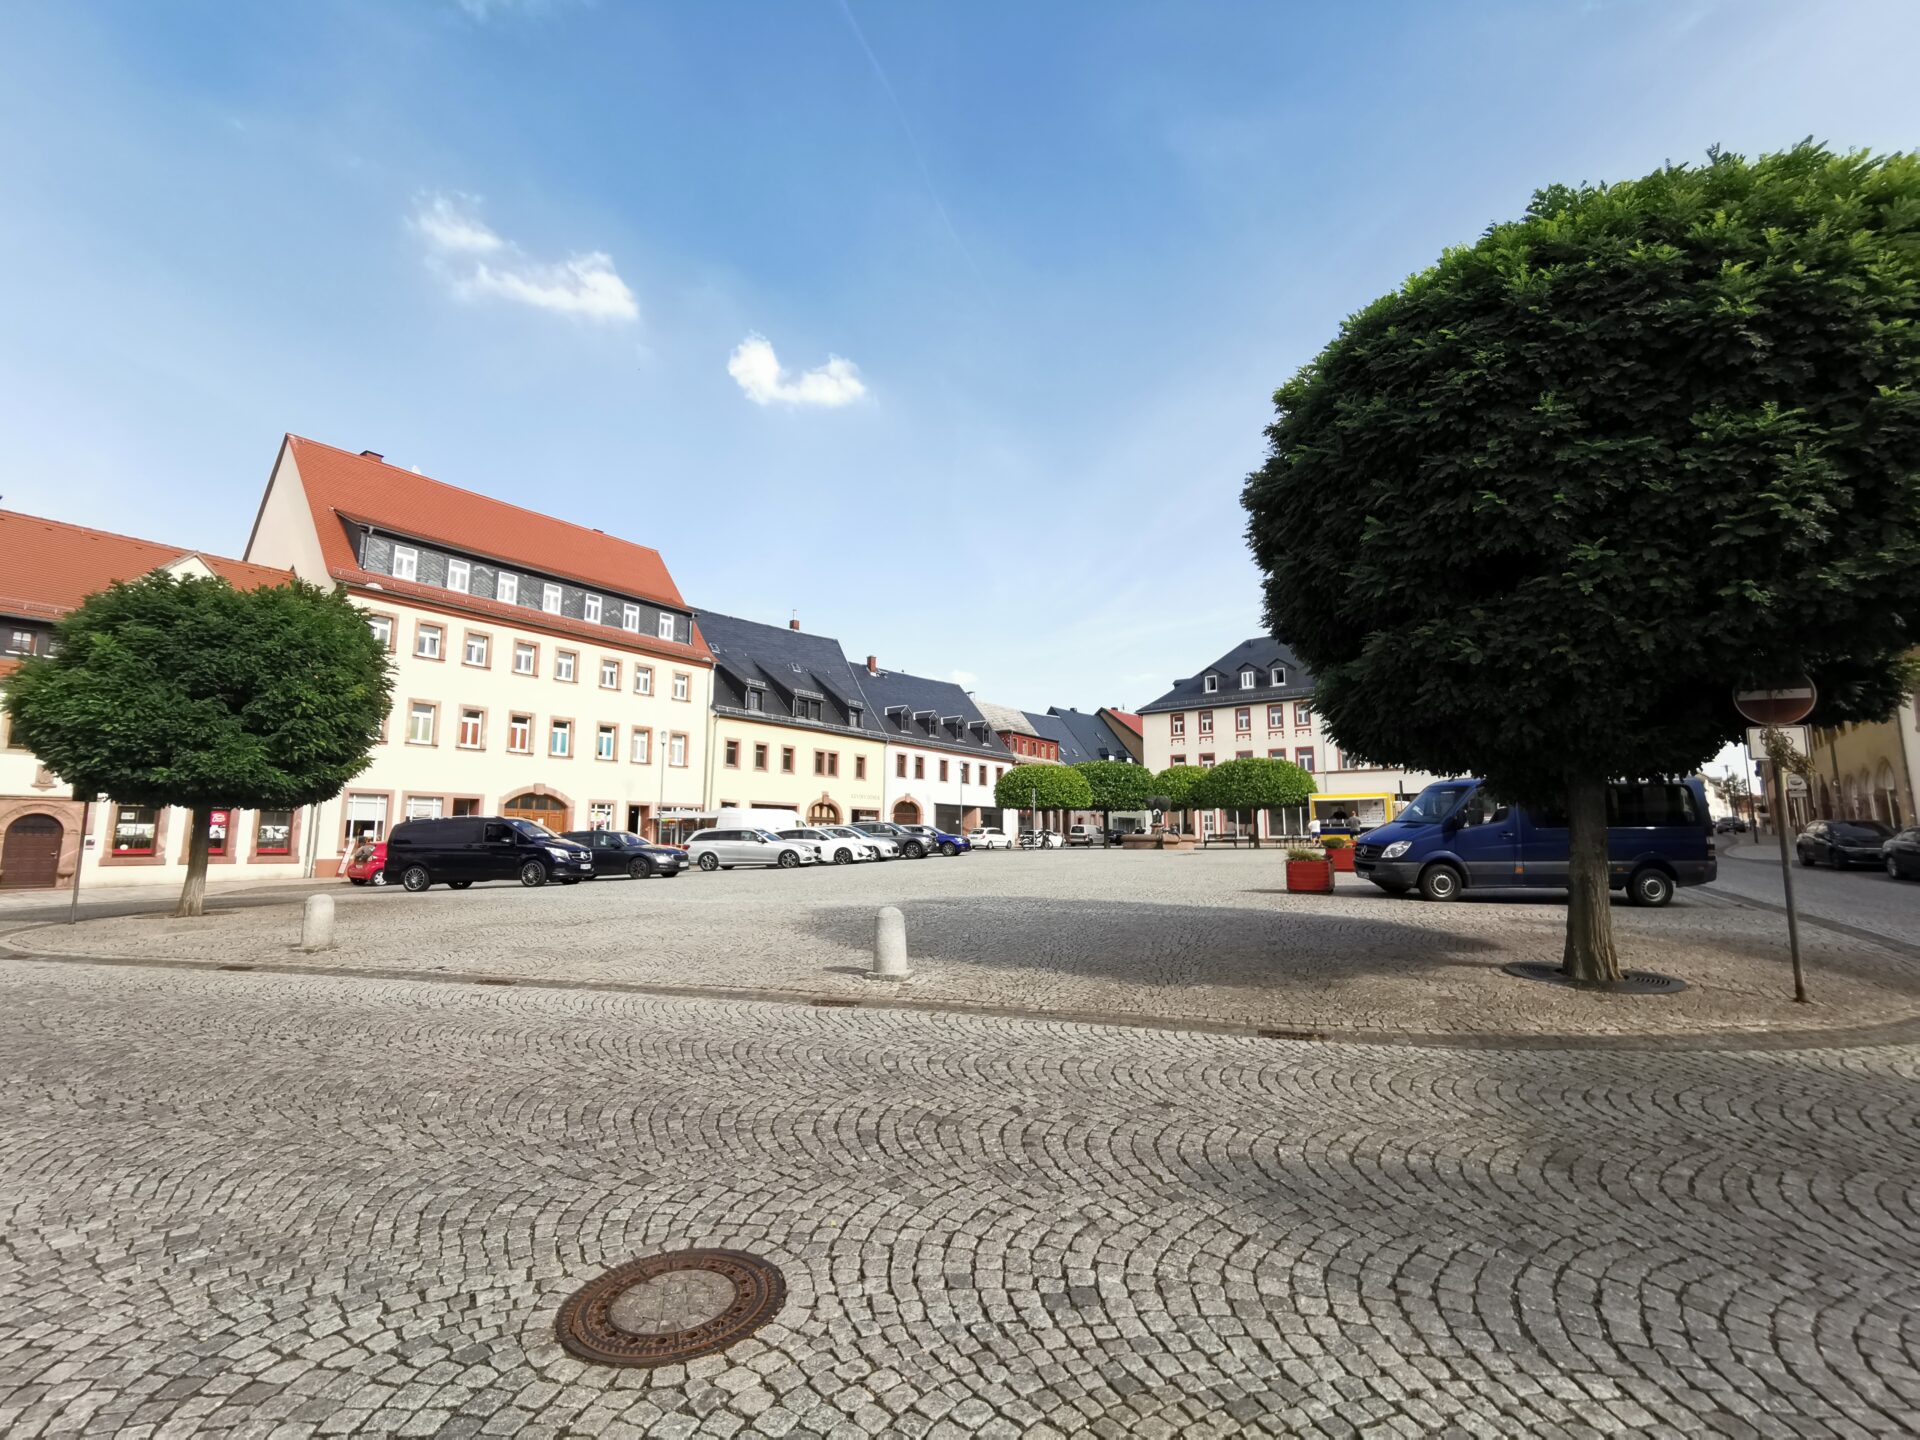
(1786, 882)
(1783, 705)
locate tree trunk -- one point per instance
(1589, 955)
(1255, 812)
(193, 893)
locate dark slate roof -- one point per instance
(1262, 653)
(784, 663)
(1091, 735)
(920, 711)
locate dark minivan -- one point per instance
(464, 848)
(1458, 835)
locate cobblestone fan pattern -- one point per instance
(264, 1205)
(1203, 939)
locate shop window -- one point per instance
(273, 832)
(134, 827)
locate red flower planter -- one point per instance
(1312, 877)
(1341, 856)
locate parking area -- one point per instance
(1208, 940)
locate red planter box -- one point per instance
(1312, 877)
(1342, 857)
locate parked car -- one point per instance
(1841, 843)
(461, 849)
(913, 846)
(1901, 854)
(621, 852)
(990, 837)
(938, 840)
(1729, 824)
(828, 848)
(1088, 835)
(724, 849)
(367, 865)
(878, 847)
(1458, 835)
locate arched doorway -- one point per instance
(906, 812)
(547, 810)
(30, 855)
(823, 812)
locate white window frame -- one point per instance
(606, 742)
(1247, 677)
(530, 653)
(677, 746)
(420, 633)
(424, 807)
(682, 684)
(512, 718)
(1210, 684)
(382, 627)
(665, 629)
(459, 576)
(560, 739)
(479, 718)
(630, 618)
(506, 589)
(643, 679)
(640, 747)
(550, 598)
(417, 711)
(486, 649)
(1278, 675)
(591, 608)
(566, 664)
(406, 563)
(609, 667)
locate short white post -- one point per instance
(316, 924)
(890, 946)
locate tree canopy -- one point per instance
(1537, 513)
(1116, 785)
(1256, 784)
(185, 691)
(1047, 787)
(1176, 784)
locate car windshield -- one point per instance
(533, 829)
(1435, 803)
(1860, 830)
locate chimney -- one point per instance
(794, 624)
(371, 455)
(873, 665)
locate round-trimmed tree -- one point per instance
(1043, 787)
(1256, 784)
(1175, 785)
(1537, 513)
(185, 691)
(1116, 785)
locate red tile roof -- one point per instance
(359, 487)
(47, 567)
(1128, 719)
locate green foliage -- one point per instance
(171, 691)
(1543, 508)
(1300, 854)
(1251, 785)
(1337, 842)
(1175, 784)
(1059, 787)
(1116, 785)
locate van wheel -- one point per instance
(789, 860)
(1650, 887)
(1440, 882)
(709, 861)
(844, 856)
(416, 878)
(640, 869)
(458, 884)
(533, 873)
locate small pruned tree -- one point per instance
(1247, 785)
(185, 691)
(1116, 785)
(1538, 513)
(1175, 785)
(1043, 787)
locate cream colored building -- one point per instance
(1868, 772)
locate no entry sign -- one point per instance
(1784, 705)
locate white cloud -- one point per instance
(476, 261)
(757, 370)
(965, 679)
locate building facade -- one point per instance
(942, 757)
(1257, 701)
(541, 669)
(1868, 772)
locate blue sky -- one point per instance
(952, 328)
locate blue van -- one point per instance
(1458, 835)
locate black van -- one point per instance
(466, 848)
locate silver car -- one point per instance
(724, 849)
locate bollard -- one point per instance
(316, 924)
(890, 946)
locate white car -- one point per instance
(871, 847)
(830, 848)
(724, 849)
(989, 837)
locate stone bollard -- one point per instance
(316, 924)
(890, 946)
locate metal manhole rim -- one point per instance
(585, 1329)
(1631, 982)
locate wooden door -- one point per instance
(30, 855)
(541, 809)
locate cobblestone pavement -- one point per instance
(264, 1204)
(1208, 940)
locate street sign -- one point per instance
(1797, 786)
(1795, 735)
(1787, 705)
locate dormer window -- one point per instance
(506, 589)
(665, 630)
(756, 699)
(1246, 678)
(630, 618)
(459, 575)
(406, 563)
(1210, 684)
(1278, 674)
(550, 599)
(593, 608)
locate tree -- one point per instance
(1043, 787)
(186, 691)
(1537, 513)
(1116, 785)
(1175, 785)
(1256, 784)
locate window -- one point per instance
(1303, 757)
(1277, 675)
(459, 575)
(560, 739)
(273, 832)
(665, 629)
(1206, 722)
(564, 662)
(900, 766)
(643, 679)
(919, 767)
(859, 767)
(550, 599)
(640, 747)
(473, 727)
(420, 720)
(966, 773)
(406, 563)
(1302, 714)
(426, 641)
(1177, 760)
(477, 647)
(806, 708)
(609, 674)
(366, 818)
(819, 762)
(759, 757)
(853, 716)
(630, 618)
(833, 763)
(506, 589)
(943, 771)
(999, 772)
(1210, 684)
(1246, 678)
(466, 807)
(786, 759)
(526, 658)
(591, 608)
(1276, 716)
(1206, 762)
(733, 754)
(1177, 724)
(1243, 754)
(20, 642)
(680, 685)
(606, 743)
(423, 807)
(756, 698)
(382, 627)
(677, 750)
(520, 734)
(133, 829)
(1243, 718)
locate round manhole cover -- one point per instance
(1631, 982)
(669, 1308)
